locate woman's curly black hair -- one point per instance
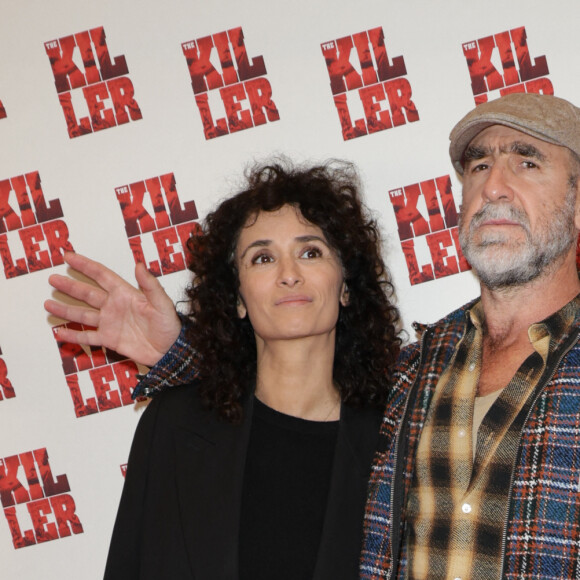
(367, 340)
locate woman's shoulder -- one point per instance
(178, 401)
(181, 412)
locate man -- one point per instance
(478, 473)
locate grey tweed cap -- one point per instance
(545, 117)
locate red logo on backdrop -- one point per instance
(519, 73)
(6, 388)
(434, 229)
(99, 379)
(31, 225)
(3, 114)
(107, 93)
(170, 224)
(123, 469)
(380, 88)
(38, 507)
(245, 93)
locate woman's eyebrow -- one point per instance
(256, 244)
(301, 239)
(311, 238)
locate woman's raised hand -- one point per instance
(139, 323)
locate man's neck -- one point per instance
(509, 312)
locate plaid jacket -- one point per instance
(542, 532)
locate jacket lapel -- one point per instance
(210, 458)
(340, 544)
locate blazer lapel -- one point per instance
(340, 544)
(210, 458)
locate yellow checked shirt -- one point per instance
(458, 502)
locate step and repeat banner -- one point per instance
(123, 123)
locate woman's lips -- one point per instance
(298, 298)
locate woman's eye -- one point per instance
(261, 259)
(311, 253)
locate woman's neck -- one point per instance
(295, 378)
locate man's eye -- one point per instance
(477, 167)
(529, 164)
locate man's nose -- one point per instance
(497, 186)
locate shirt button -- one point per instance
(472, 367)
(466, 508)
(461, 433)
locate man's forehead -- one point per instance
(505, 139)
(498, 131)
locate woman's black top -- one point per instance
(286, 483)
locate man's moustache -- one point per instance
(500, 212)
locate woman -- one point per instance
(260, 471)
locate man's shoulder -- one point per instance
(455, 316)
(450, 323)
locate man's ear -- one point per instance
(574, 184)
(577, 212)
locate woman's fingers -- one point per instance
(80, 314)
(140, 323)
(153, 291)
(89, 337)
(103, 276)
(92, 295)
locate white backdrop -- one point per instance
(65, 420)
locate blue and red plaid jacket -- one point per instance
(542, 529)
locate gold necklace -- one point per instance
(331, 410)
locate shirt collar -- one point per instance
(545, 335)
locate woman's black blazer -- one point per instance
(179, 513)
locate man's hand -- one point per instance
(138, 323)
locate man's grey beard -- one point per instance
(500, 266)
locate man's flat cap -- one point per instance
(545, 117)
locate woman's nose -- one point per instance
(290, 272)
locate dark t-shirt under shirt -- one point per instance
(286, 483)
